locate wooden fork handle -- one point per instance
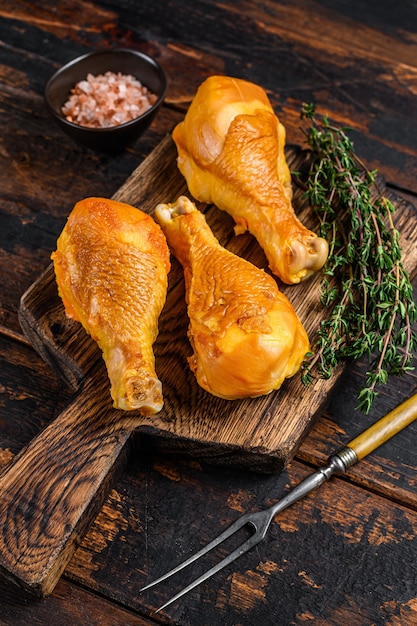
(385, 428)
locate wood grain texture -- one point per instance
(318, 562)
(30, 396)
(343, 557)
(72, 605)
(51, 491)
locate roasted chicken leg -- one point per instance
(111, 267)
(231, 153)
(245, 334)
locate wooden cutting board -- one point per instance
(55, 486)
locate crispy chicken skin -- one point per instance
(244, 332)
(111, 267)
(231, 153)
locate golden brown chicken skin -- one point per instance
(244, 332)
(231, 153)
(111, 267)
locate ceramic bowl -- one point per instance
(115, 138)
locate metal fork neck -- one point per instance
(337, 464)
(342, 460)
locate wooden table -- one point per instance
(347, 553)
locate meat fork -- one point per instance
(259, 522)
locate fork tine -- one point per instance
(228, 532)
(244, 547)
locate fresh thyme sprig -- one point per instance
(365, 287)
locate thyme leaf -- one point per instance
(364, 286)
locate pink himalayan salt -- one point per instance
(107, 100)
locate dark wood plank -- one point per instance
(357, 62)
(160, 510)
(54, 487)
(70, 605)
(338, 556)
(30, 396)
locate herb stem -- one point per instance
(365, 289)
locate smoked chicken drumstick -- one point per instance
(111, 267)
(244, 332)
(231, 153)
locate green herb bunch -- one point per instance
(365, 286)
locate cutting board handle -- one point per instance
(54, 488)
